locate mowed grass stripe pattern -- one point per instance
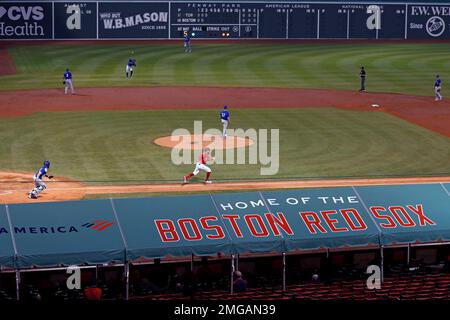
(391, 67)
(314, 143)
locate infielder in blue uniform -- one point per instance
(225, 119)
(130, 67)
(68, 81)
(38, 177)
(187, 43)
(437, 88)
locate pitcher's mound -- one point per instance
(198, 141)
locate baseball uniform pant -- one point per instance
(224, 125)
(437, 93)
(68, 84)
(129, 69)
(40, 185)
(363, 84)
(200, 166)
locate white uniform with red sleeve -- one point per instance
(201, 163)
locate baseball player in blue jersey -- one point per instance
(38, 177)
(225, 119)
(437, 88)
(187, 43)
(130, 67)
(68, 81)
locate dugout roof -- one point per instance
(102, 231)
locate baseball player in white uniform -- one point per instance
(203, 158)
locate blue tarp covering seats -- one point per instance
(101, 231)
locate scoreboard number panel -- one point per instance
(392, 22)
(333, 21)
(212, 20)
(358, 21)
(303, 21)
(273, 21)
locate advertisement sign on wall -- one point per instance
(75, 20)
(428, 21)
(133, 20)
(264, 20)
(25, 20)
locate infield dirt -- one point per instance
(422, 111)
(14, 187)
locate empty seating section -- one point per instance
(400, 287)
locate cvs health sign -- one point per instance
(25, 20)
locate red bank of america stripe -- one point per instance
(98, 225)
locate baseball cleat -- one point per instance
(185, 180)
(32, 196)
(208, 181)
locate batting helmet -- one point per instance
(47, 164)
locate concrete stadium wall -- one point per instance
(61, 20)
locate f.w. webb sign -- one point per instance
(428, 21)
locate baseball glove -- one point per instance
(64, 82)
(50, 177)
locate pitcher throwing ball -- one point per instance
(39, 184)
(203, 158)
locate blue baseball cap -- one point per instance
(225, 107)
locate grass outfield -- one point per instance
(116, 146)
(405, 67)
